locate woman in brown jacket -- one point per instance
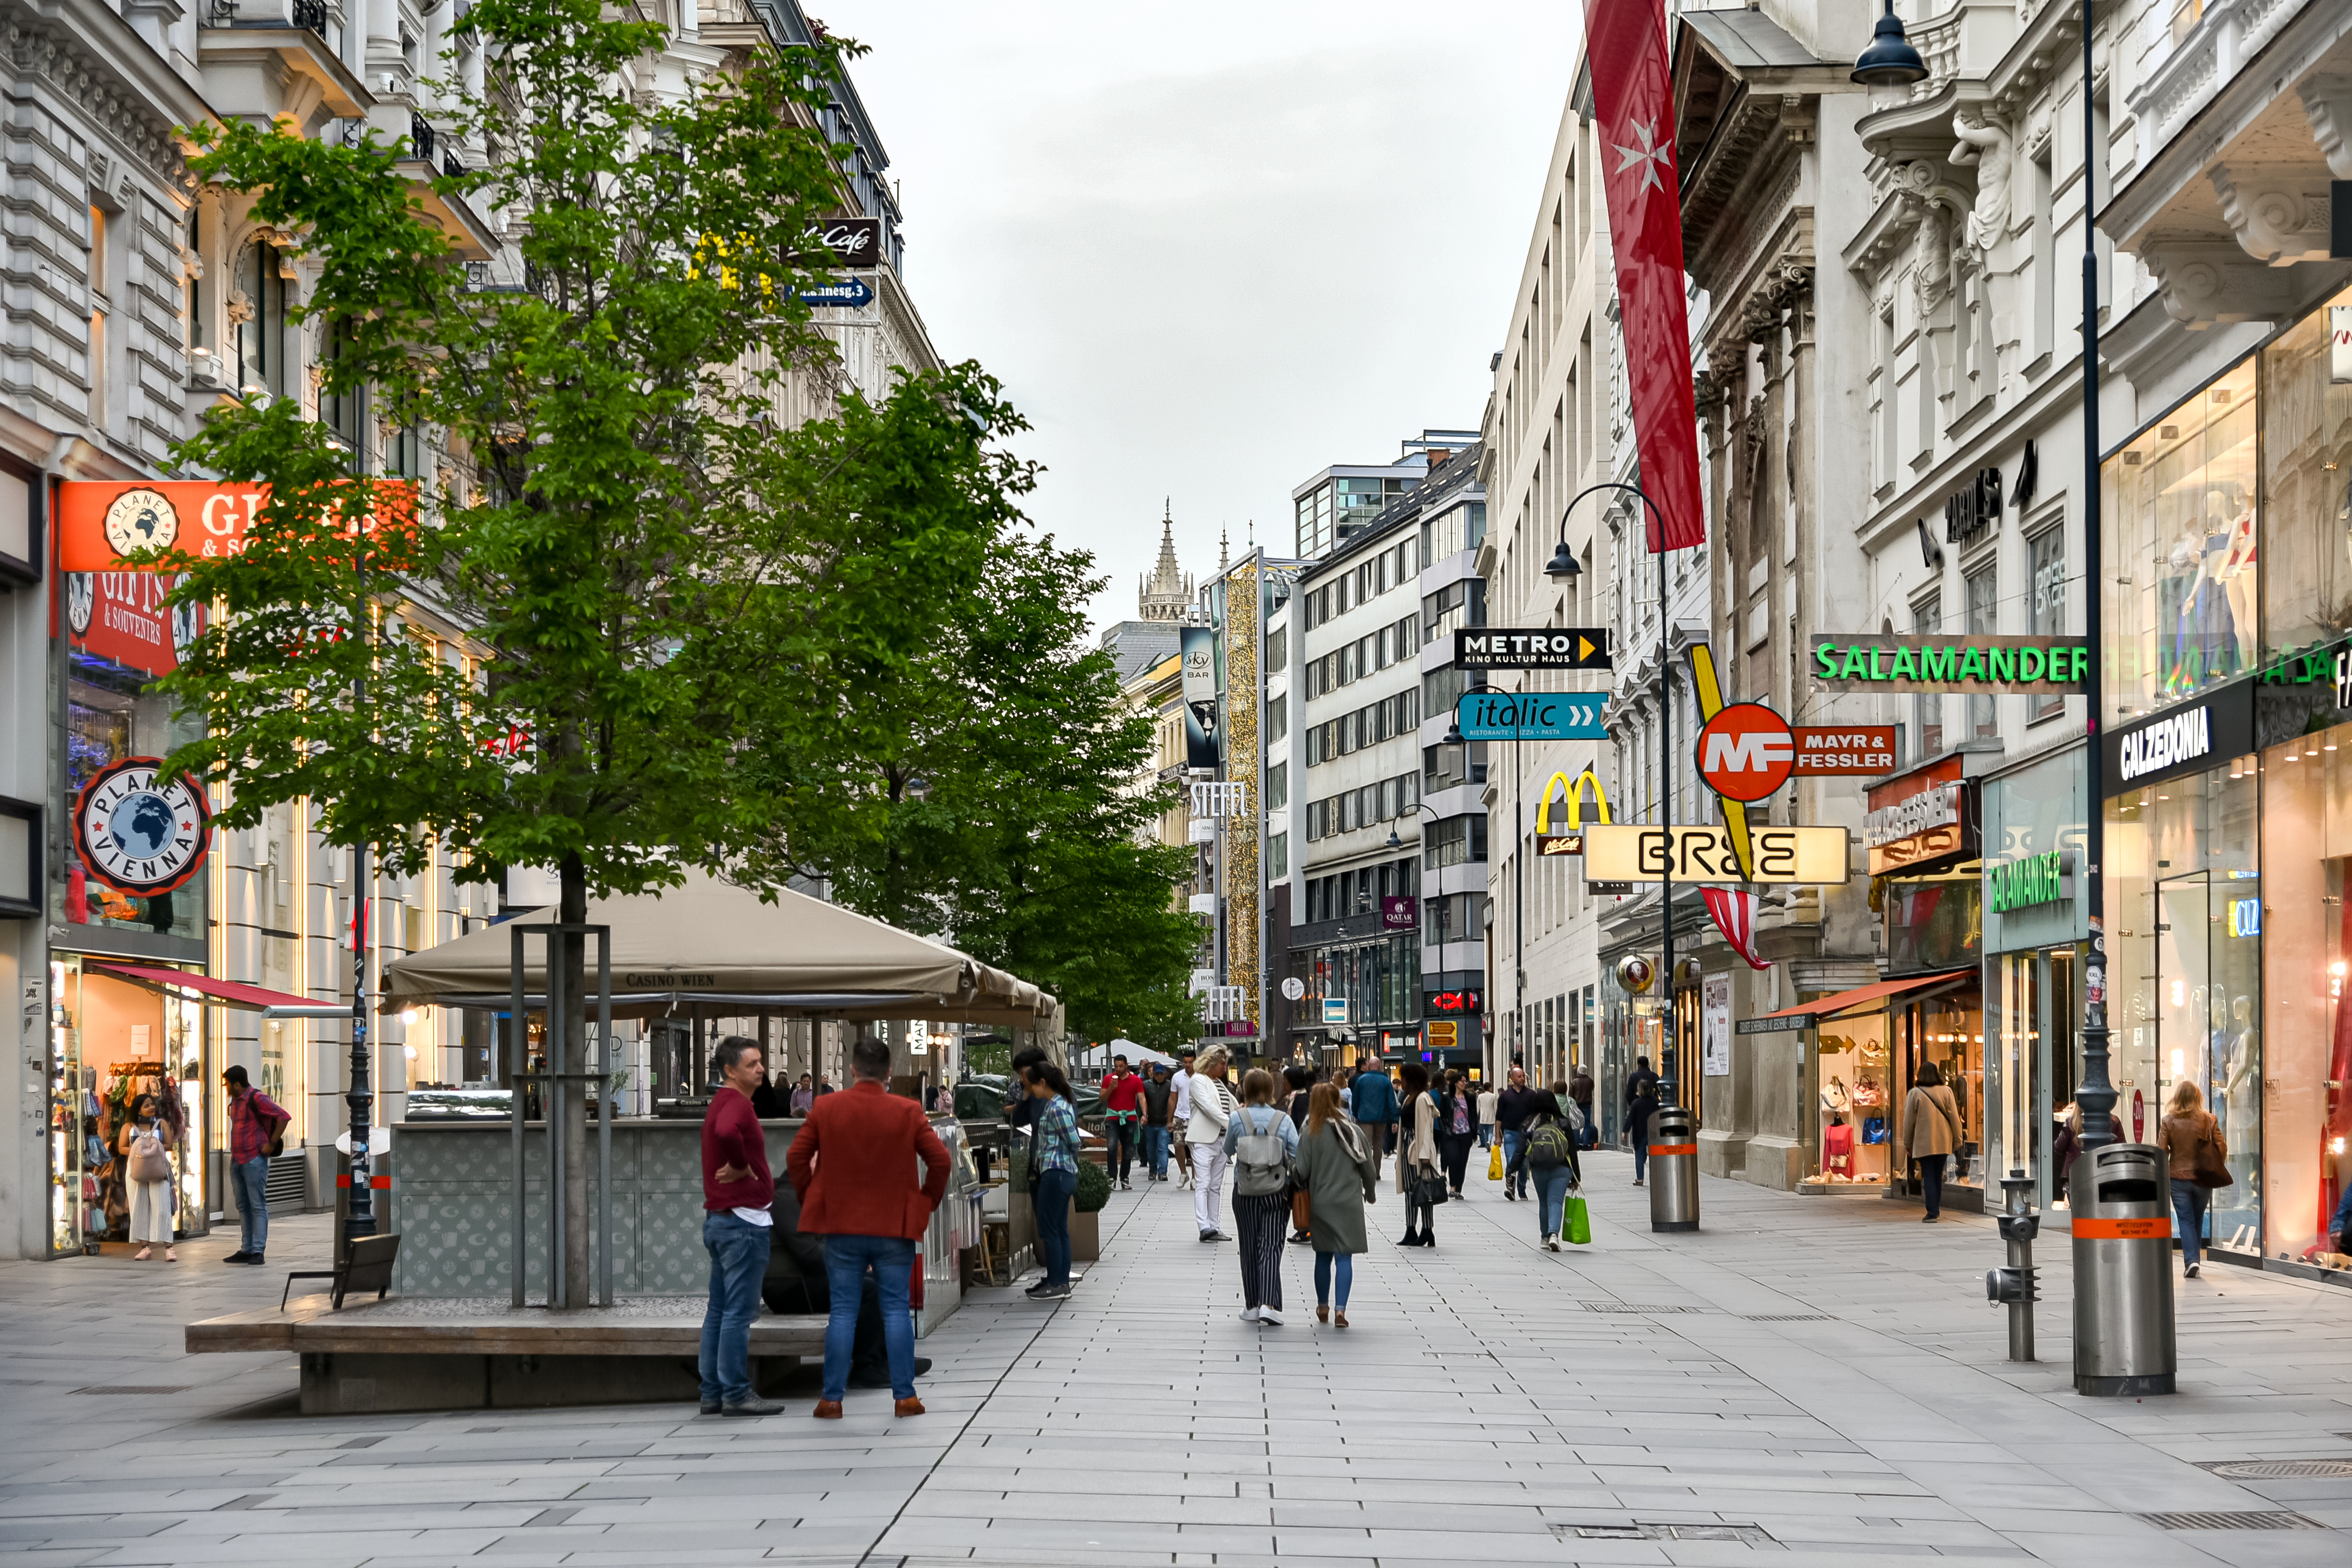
(2187, 1126)
(1931, 1130)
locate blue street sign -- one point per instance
(849, 294)
(1530, 716)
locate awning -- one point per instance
(228, 992)
(1805, 1015)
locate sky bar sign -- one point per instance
(1540, 648)
(1977, 663)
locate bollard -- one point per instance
(2015, 1286)
(2123, 1271)
(1673, 1169)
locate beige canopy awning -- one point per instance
(714, 948)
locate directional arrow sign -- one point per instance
(851, 293)
(1530, 716)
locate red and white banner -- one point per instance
(1735, 917)
(1634, 101)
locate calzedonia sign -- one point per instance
(1980, 664)
(2187, 739)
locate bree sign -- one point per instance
(1699, 853)
(1950, 664)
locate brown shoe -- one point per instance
(827, 1410)
(908, 1407)
(1341, 1320)
(1322, 1314)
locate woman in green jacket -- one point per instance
(1337, 1167)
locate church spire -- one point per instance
(1166, 593)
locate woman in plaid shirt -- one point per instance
(1052, 1174)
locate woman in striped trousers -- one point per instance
(1259, 1143)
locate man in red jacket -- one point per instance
(736, 1192)
(1122, 1100)
(854, 1168)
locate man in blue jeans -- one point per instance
(255, 1124)
(736, 1192)
(1512, 1109)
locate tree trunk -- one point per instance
(568, 1039)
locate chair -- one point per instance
(367, 1266)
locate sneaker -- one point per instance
(1249, 1314)
(1126, 1187)
(1043, 1288)
(237, 1257)
(1208, 1235)
(2191, 1271)
(1268, 1318)
(1058, 1293)
(1927, 1219)
(707, 1408)
(755, 1406)
(1552, 1242)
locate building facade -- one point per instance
(140, 298)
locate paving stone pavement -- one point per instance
(1804, 1380)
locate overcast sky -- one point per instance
(1212, 247)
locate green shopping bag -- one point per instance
(1580, 1224)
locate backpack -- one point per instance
(1549, 1147)
(1576, 1118)
(1261, 1165)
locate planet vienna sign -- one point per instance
(139, 830)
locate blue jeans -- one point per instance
(847, 1260)
(250, 1180)
(1155, 1151)
(739, 1260)
(1515, 1170)
(2189, 1202)
(1485, 1134)
(1551, 1194)
(1052, 1202)
(1324, 1262)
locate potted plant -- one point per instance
(1085, 1229)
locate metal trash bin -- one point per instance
(1673, 1169)
(2124, 1342)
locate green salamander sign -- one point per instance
(1950, 664)
(2035, 879)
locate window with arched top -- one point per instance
(258, 319)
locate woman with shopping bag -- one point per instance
(146, 1143)
(1420, 1178)
(1552, 1166)
(1337, 1170)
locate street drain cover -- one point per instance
(1745, 1534)
(1633, 1307)
(2276, 1469)
(140, 1389)
(2248, 1518)
(1785, 1317)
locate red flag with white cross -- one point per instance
(1633, 97)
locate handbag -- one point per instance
(1301, 1211)
(2213, 1171)
(1494, 1163)
(148, 1160)
(1873, 1130)
(1429, 1189)
(1579, 1230)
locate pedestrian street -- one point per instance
(1816, 1376)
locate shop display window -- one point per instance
(2307, 416)
(1949, 1032)
(111, 1043)
(1855, 1125)
(2186, 898)
(2181, 537)
(1934, 922)
(108, 718)
(2306, 1117)
(2029, 1024)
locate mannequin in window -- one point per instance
(1837, 1149)
(2237, 570)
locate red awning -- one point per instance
(228, 992)
(1805, 1015)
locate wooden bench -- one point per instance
(401, 1354)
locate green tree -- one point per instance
(959, 762)
(600, 406)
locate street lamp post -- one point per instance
(1563, 565)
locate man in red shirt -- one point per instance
(854, 1168)
(1122, 1097)
(736, 1192)
(256, 1122)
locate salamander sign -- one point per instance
(1950, 664)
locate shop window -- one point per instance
(2181, 533)
(2306, 413)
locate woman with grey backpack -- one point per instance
(1259, 1143)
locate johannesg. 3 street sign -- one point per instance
(1970, 663)
(1539, 647)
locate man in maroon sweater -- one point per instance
(854, 1168)
(736, 1192)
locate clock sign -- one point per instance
(141, 830)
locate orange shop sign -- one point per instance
(100, 521)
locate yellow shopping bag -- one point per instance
(1495, 1163)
